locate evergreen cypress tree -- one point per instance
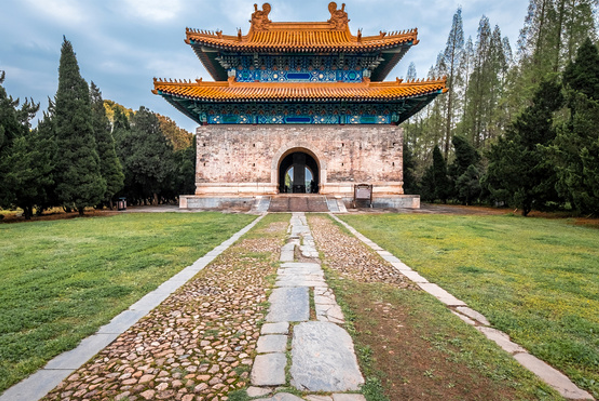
(24, 167)
(46, 134)
(576, 147)
(79, 180)
(518, 164)
(110, 166)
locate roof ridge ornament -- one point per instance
(339, 17)
(260, 21)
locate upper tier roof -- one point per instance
(332, 36)
(240, 92)
(303, 37)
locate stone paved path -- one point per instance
(196, 345)
(322, 357)
(200, 343)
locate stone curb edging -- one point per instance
(47, 378)
(553, 377)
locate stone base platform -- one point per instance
(275, 203)
(216, 203)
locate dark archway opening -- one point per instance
(298, 173)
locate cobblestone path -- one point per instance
(198, 344)
(261, 317)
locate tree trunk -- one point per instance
(27, 212)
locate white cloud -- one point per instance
(151, 10)
(61, 12)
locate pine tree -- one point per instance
(110, 165)
(79, 180)
(453, 55)
(576, 147)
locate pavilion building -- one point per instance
(299, 107)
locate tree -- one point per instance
(46, 134)
(24, 165)
(441, 181)
(147, 157)
(468, 187)
(519, 171)
(410, 185)
(475, 117)
(110, 166)
(453, 55)
(465, 156)
(576, 147)
(79, 180)
(465, 170)
(411, 74)
(180, 138)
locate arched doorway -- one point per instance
(298, 173)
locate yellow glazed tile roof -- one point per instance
(331, 36)
(232, 91)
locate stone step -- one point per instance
(261, 205)
(308, 203)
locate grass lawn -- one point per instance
(535, 279)
(62, 280)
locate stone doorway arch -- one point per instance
(302, 168)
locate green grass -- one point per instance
(62, 280)
(535, 279)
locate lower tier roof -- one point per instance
(238, 92)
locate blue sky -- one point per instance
(122, 44)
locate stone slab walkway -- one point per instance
(64, 365)
(560, 382)
(322, 357)
(198, 345)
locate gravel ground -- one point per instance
(351, 258)
(199, 344)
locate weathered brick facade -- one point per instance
(244, 160)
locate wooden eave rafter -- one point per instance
(238, 92)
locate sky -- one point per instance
(122, 44)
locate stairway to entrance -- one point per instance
(298, 203)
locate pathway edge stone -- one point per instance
(554, 378)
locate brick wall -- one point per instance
(242, 159)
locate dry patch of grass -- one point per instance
(410, 346)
